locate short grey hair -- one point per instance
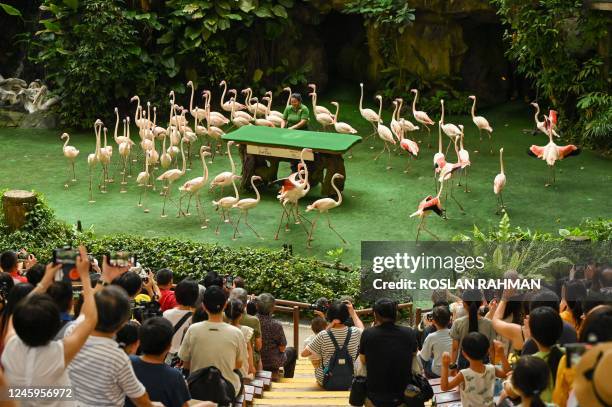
(265, 303)
(239, 294)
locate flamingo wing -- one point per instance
(567, 151)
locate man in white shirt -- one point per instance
(437, 342)
(31, 357)
(214, 342)
(186, 294)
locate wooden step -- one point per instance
(306, 394)
(301, 402)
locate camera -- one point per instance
(322, 304)
(429, 316)
(22, 255)
(120, 259)
(66, 256)
(229, 281)
(144, 310)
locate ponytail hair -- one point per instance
(554, 357)
(472, 299)
(531, 377)
(575, 292)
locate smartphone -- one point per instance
(229, 281)
(66, 256)
(120, 259)
(429, 316)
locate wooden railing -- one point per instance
(295, 308)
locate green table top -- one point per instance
(272, 136)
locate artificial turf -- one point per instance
(377, 202)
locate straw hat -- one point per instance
(592, 382)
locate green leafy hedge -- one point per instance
(265, 270)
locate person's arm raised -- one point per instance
(353, 314)
(508, 330)
(75, 341)
(47, 279)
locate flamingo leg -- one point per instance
(389, 156)
(246, 222)
(166, 193)
(312, 228)
(188, 205)
(501, 199)
(221, 219)
(429, 143)
(334, 230)
(283, 213)
(91, 200)
(201, 213)
(68, 179)
(490, 142)
(381, 151)
(455, 199)
(447, 147)
(466, 180)
(73, 172)
(480, 135)
(236, 226)
(419, 228)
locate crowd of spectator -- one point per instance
(126, 337)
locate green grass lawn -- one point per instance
(377, 202)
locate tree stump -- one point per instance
(16, 203)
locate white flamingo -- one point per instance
(71, 153)
(482, 124)
(385, 135)
(270, 111)
(273, 118)
(261, 122)
(197, 113)
(227, 106)
(341, 127)
(292, 191)
(194, 185)
(405, 123)
(324, 205)
(169, 176)
(420, 116)
(216, 119)
(143, 181)
(125, 149)
(449, 129)
(226, 203)
(396, 127)
(104, 156)
(315, 108)
(499, 183)
(239, 121)
(247, 204)
(324, 119)
(260, 108)
(464, 159)
(288, 89)
(369, 114)
(224, 179)
(94, 158)
(237, 112)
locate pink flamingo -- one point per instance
(384, 133)
(551, 153)
(428, 205)
(540, 124)
(499, 183)
(323, 205)
(421, 116)
(447, 173)
(439, 160)
(464, 159)
(482, 124)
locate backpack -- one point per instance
(208, 384)
(338, 374)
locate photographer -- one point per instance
(142, 306)
(9, 263)
(165, 279)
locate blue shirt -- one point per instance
(163, 383)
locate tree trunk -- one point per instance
(16, 204)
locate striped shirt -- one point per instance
(323, 346)
(102, 374)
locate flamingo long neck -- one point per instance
(439, 138)
(154, 117)
(191, 99)
(361, 98)
(461, 139)
(416, 95)
(183, 157)
(147, 162)
(116, 125)
(235, 189)
(393, 115)
(288, 98)
(314, 101)
(399, 109)
(442, 117)
(440, 190)
(128, 128)
(164, 144)
(537, 112)
(148, 112)
(229, 154)
(379, 109)
(339, 201)
(257, 196)
(97, 130)
(204, 166)
(337, 111)
(246, 98)
(474, 108)
(232, 108)
(501, 161)
(105, 138)
(137, 107)
(224, 90)
(67, 137)
(269, 107)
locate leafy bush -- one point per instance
(266, 270)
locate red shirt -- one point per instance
(18, 278)
(167, 300)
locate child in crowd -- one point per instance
(530, 379)
(436, 343)
(127, 337)
(476, 382)
(317, 325)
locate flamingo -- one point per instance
(369, 114)
(227, 106)
(292, 191)
(158, 131)
(499, 183)
(405, 123)
(449, 129)
(239, 121)
(341, 127)
(258, 108)
(143, 181)
(273, 118)
(104, 156)
(317, 109)
(540, 124)
(419, 115)
(324, 205)
(551, 153)
(216, 119)
(426, 206)
(71, 153)
(324, 119)
(225, 178)
(410, 146)
(464, 159)
(384, 133)
(93, 159)
(238, 112)
(125, 149)
(261, 122)
(194, 185)
(246, 204)
(396, 127)
(273, 112)
(226, 203)
(448, 171)
(175, 120)
(197, 113)
(215, 133)
(482, 124)
(138, 120)
(120, 139)
(170, 176)
(288, 89)
(439, 160)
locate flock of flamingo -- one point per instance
(178, 136)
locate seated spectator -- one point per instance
(234, 312)
(186, 294)
(437, 342)
(477, 381)
(250, 321)
(35, 322)
(19, 291)
(61, 293)
(163, 383)
(274, 351)
(165, 279)
(322, 346)
(101, 373)
(213, 342)
(473, 322)
(317, 325)
(530, 379)
(9, 263)
(387, 351)
(127, 337)
(35, 273)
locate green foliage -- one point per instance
(275, 271)
(596, 113)
(10, 10)
(553, 43)
(455, 102)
